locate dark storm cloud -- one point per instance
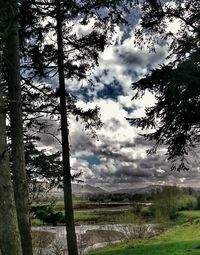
(140, 59)
(133, 58)
(106, 152)
(80, 142)
(132, 173)
(47, 140)
(135, 167)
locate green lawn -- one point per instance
(187, 216)
(181, 240)
(85, 216)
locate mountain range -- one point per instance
(83, 189)
(86, 189)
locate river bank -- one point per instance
(47, 239)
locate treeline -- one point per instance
(179, 198)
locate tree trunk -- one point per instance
(16, 123)
(69, 213)
(9, 234)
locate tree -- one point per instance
(175, 117)
(166, 203)
(67, 56)
(12, 78)
(42, 167)
(10, 242)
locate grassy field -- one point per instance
(181, 240)
(104, 217)
(85, 217)
(85, 213)
(187, 216)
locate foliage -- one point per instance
(168, 202)
(46, 214)
(147, 213)
(187, 202)
(86, 217)
(174, 118)
(187, 217)
(81, 51)
(44, 171)
(157, 16)
(165, 204)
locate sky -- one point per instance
(117, 159)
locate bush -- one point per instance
(147, 213)
(46, 214)
(187, 202)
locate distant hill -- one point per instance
(148, 189)
(78, 189)
(86, 189)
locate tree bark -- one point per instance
(16, 126)
(69, 213)
(9, 234)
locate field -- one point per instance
(92, 213)
(181, 240)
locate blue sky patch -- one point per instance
(111, 91)
(92, 160)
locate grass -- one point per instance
(187, 216)
(181, 240)
(85, 216)
(103, 217)
(36, 222)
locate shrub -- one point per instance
(187, 202)
(147, 212)
(46, 214)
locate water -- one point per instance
(92, 236)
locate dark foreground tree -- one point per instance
(10, 242)
(175, 117)
(12, 80)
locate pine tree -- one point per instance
(10, 242)
(12, 78)
(175, 116)
(67, 57)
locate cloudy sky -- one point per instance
(118, 158)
